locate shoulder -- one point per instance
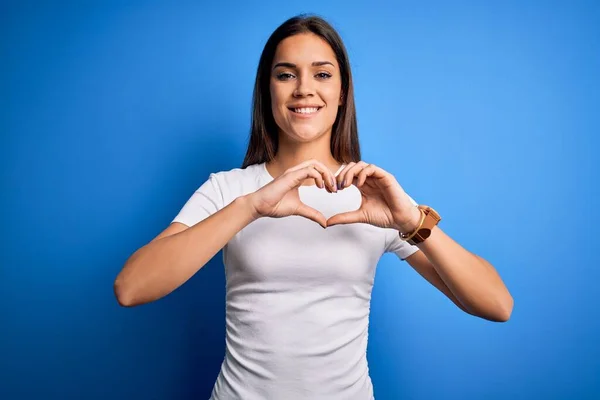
(216, 192)
(236, 175)
(237, 182)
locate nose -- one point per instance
(304, 87)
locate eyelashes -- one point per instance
(286, 76)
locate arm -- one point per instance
(465, 278)
(468, 280)
(174, 256)
(421, 264)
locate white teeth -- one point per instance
(306, 110)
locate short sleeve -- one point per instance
(398, 246)
(205, 201)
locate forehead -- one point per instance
(304, 48)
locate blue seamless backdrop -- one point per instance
(112, 114)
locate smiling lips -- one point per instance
(305, 111)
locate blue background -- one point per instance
(112, 114)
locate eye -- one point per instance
(284, 76)
(324, 75)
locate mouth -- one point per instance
(305, 111)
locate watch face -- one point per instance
(434, 214)
(431, 212)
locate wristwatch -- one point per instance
(429, 219)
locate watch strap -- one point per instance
(429, 219)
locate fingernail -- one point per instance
(335, 188)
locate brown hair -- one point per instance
(263, 142)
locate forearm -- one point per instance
(472, 280)
(163, 265)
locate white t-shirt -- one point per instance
(297, 296)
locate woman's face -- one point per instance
(305, 87)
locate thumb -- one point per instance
(308, 212)
(346, 218)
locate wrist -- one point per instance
(411, 223)
(247, 204)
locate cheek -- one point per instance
(333, 96)
(276, 108)
(333, 101)
(277, 102)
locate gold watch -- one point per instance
(429, 219)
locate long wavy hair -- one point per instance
(263, 141)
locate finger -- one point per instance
(352, 172)
(303, 164)
(326, 174)
(342, 174)
(352, 175)
(310, 172)
(346, 218)
(308, 212)
(378, 176)
(364, 173)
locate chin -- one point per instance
(304, 133)
(303, 136)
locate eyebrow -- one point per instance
(314, 64)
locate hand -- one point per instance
(384, 202)
(280, 198)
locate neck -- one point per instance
(290, 154)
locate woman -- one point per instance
(299, 288)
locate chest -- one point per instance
(296, 251)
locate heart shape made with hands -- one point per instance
(384, 203)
